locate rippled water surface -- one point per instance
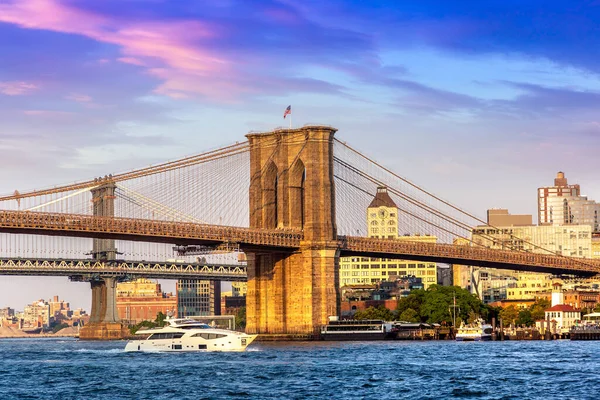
(69, 369)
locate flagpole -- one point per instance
(290, 120)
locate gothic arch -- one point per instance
(270, 196)
(297, 180)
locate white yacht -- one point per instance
(479, 331)
(189, 335)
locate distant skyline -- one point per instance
(480, 103)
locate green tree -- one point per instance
(409, 315)
(439, 304)
(240, 319)
(538, 309)
(160, 319)
(524, 318)
(509, 315)
(597, 308)
(473, 317)
(413, 301)
(380, 312)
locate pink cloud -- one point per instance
(78, 97)
(173, 48)
(131, 60)
(50, 114)
(16, 88)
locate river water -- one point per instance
(70, 369)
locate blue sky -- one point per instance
(479, 102)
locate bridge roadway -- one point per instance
(121, 269)
(26, 222)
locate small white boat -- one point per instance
(189, 335)
(479, 331)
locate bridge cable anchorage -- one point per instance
(438, 213)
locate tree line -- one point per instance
(438, 304)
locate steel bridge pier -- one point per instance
(104, 319)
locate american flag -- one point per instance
(287, 111)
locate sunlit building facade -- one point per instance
(37, 314)
(519, 234)
(563, 204)
(142, 299)
(198, 298)
(382, 222)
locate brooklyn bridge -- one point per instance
(293, 200)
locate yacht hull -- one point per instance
(236, 343)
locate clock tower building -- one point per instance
(382, 223)
(382, 216)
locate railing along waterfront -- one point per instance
(138, 229)
(467, 255)
(121, 268)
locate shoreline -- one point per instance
(39, 335)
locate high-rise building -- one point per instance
(571, 241)
(493, 284)
(58, 306)
(382, 222)
(36, 314)
(198, 297)
(563, 204)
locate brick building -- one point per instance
(142, 300)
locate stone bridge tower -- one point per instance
(291, 186)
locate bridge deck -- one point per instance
(145, 230)
(467, 255)
(26, 222)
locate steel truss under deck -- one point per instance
(87, 269)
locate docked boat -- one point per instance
(478, 331)
(415, 331)
(181, 335)
(588, 329)
(356, 330)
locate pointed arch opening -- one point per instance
(270, 200)
(297, 188)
